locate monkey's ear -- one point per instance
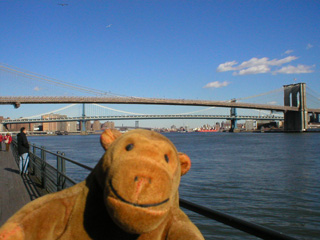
(185, 163)
(108, 136)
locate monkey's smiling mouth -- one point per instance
(135, 204)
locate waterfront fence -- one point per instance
(55, 179)
(51, 178)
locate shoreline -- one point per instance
(98, 133)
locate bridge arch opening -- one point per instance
(298, 99)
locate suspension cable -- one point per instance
(314, 92)
(261, 94)
(42, 78)
(98, 105)
(54, 111)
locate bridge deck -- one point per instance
(15, 190)
(17, 101)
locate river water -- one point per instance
(272, 179)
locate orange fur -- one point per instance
(131, 194)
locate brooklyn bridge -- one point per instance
(295, 111)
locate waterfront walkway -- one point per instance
(15, 190)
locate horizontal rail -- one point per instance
(240, 224)
(65, 158)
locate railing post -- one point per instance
(31, 161)
(43, 168)
(63, 170)
(58, 171)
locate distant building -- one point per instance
(281, 124)
(173, 128)
(217, 127)
(17, 126)
(96, 126)
(250, 125)
(68, 126)
(226, 125)
(263, 124)
(58, 126)
(50, 126)
(136, 124)
(88, 126)
(108, 125)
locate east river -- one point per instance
(272, 179)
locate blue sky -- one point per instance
(215, 50)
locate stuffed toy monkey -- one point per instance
(131, 194)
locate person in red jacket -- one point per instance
(7, 141)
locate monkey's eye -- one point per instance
(166, 158)
(129, 147)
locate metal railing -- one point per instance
(52, 178)
(55, 179)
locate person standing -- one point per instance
(1, 138)
(3, 144)
(7, 141)
(23, 150)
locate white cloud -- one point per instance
(309, 46)
(296, 70)
(253, 62)
(256, 62)
(227, 66)
(263, 65)
(253, 70)
(36, 89)
(288, 52)
(217, 84)
(276, 62)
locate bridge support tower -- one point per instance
(83, 130)
(295, 96)
(233, 114)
